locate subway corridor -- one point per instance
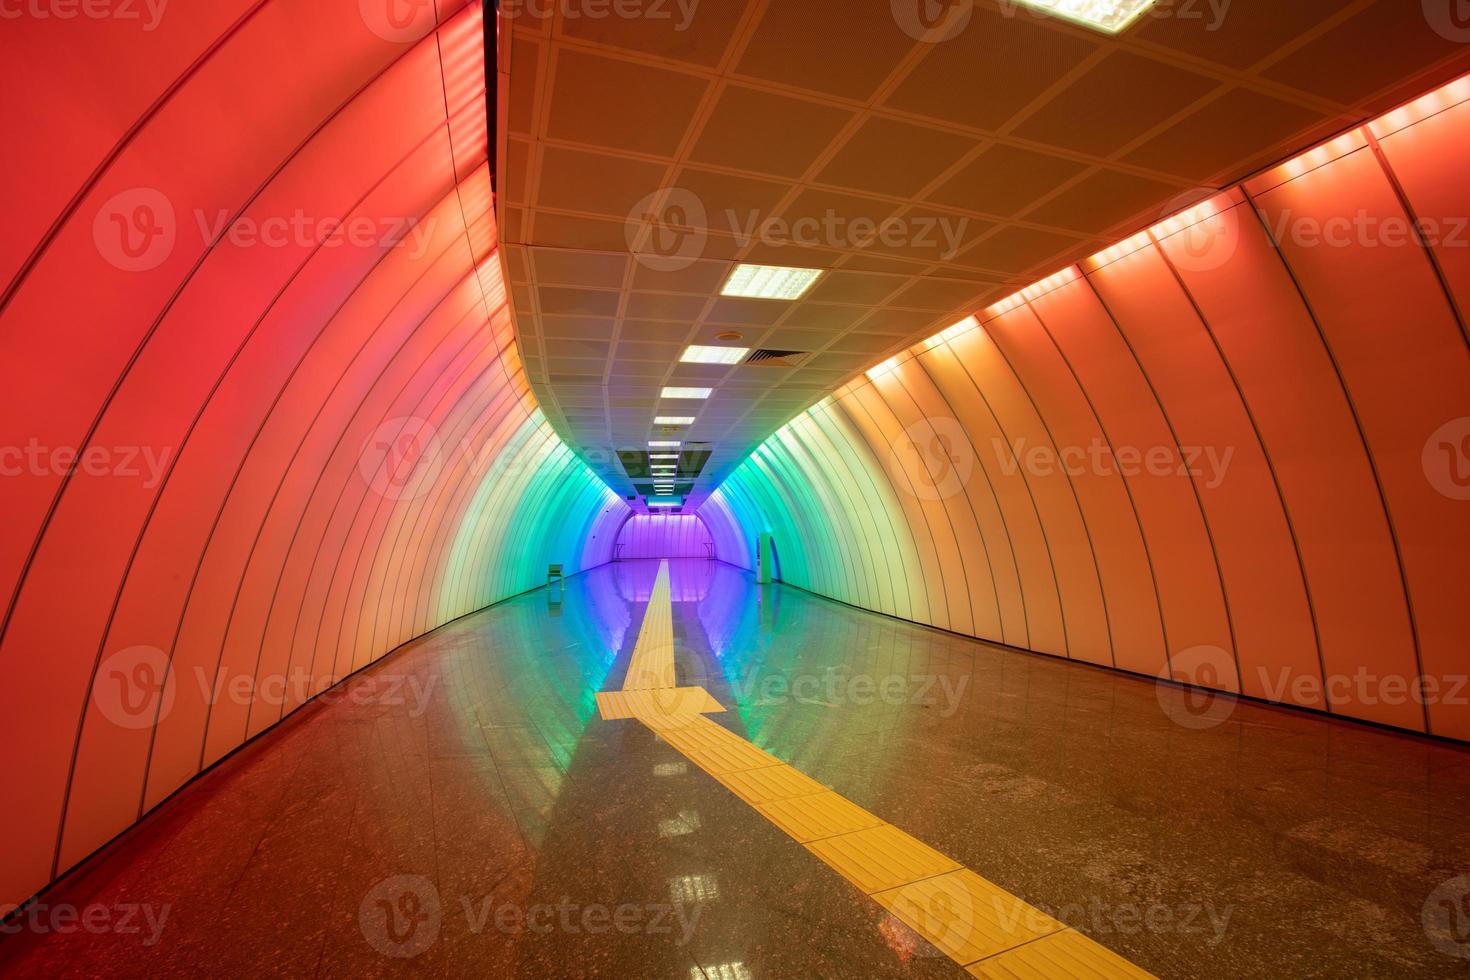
(734, 489)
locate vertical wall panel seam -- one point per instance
(1194, 487)
(1035, 510)
(964, 492)
(1071, 485)
(915, 364)
(1266, 455)
(1418, 237)
(888, 478)
(1153, 574)
(1347, 395)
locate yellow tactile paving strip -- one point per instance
(882, 858)
(1065, 955)
(770, 783)
(966, 916)
(652, 665)
(979, 925)
(671, 701)
(813, 818)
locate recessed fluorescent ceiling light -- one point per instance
(687, 392)
(1108, 16)
(663, 455)
(674, 420)
(663, 444)
(769, 282)
(697, 354)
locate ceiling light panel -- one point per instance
(663, 444)
(1108, 16)
(674, 420)
(686, 392)
(769, 282)
(700, 354)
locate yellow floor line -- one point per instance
(976, 923)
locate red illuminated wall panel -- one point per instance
(263, 414)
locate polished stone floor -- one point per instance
(461, 810)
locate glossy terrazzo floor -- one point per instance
(461, 810)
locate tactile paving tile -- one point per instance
(770, 783)
(652, 704)
(1066, 955)
(716, 750)
(880, 858)
(966, 916)
(811, 818)
(652, 663)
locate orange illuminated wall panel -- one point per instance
(1231, 450)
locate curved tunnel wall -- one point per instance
(264, 420)
(1234, 448)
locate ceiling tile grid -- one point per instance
(646, 151)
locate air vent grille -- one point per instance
(771, 357)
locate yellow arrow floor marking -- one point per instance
(976, 923)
